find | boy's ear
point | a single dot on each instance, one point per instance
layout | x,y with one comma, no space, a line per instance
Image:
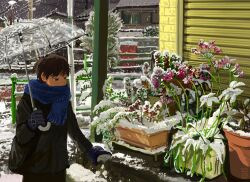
43,77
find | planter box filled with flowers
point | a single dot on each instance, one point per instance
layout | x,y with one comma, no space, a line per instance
186,110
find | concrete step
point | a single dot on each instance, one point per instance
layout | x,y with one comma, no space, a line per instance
134,61
142,41
141,49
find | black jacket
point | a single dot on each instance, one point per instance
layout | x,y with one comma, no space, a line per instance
50,153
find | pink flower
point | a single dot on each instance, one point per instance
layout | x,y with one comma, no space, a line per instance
211,44
217,50
181,74
241,74
168,75
187,79
155,82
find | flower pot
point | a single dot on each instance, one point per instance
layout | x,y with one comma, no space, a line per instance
195,156
239,154
141,139
210,164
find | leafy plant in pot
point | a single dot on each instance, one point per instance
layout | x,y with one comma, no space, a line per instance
237,132
199,148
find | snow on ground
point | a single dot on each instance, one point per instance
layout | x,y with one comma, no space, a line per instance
78,173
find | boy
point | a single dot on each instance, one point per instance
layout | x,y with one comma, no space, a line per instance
49,157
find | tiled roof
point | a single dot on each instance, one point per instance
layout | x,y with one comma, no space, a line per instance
43,7
137,3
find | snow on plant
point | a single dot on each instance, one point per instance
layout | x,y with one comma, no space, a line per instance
114,25
232,92
151,31
101,126
109,93
208,99
103,105
238,114
146,69
188,153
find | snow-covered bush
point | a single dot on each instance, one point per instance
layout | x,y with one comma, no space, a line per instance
114,25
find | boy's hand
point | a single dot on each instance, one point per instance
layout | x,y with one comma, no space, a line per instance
98,154
36,118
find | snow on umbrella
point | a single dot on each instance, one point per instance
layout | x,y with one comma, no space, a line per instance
28,40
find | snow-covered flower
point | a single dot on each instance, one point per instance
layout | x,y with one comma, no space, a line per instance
157,54
232,92
208,99
165,53
235,84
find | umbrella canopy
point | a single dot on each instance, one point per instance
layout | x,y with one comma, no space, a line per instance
30,39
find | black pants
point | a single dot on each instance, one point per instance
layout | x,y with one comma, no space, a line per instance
58,177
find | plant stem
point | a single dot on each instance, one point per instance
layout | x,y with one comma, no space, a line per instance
184,90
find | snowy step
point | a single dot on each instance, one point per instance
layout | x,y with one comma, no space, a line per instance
121,76
141,41
127,69
138,61
136,54
147,48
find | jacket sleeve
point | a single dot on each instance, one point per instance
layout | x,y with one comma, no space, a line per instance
24,109
75,133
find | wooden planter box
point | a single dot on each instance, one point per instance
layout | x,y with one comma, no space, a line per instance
141,139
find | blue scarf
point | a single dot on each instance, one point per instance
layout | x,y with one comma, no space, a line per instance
57,96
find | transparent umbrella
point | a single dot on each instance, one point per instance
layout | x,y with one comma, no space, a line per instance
27,40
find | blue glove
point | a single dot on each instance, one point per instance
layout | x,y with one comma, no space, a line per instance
36,118
98,154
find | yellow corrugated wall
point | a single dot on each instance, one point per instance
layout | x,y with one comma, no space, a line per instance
225,21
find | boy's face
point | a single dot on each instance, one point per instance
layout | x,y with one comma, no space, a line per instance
59,80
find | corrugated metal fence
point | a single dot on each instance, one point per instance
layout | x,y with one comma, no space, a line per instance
225,21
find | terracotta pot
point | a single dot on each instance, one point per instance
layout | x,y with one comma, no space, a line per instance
239,154
140,138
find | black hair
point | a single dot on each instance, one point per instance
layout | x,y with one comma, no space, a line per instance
52,65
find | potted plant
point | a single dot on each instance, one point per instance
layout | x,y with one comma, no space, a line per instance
144,126
129,116
237,132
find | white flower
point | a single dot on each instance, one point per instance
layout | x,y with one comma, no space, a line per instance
157,54
165,53
208,99
230,94
235,84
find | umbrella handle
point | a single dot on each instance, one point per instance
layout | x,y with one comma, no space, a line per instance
45,128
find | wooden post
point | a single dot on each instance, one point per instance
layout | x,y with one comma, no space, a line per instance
70,5
30,4
99,72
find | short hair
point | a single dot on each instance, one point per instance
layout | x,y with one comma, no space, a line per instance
52,65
